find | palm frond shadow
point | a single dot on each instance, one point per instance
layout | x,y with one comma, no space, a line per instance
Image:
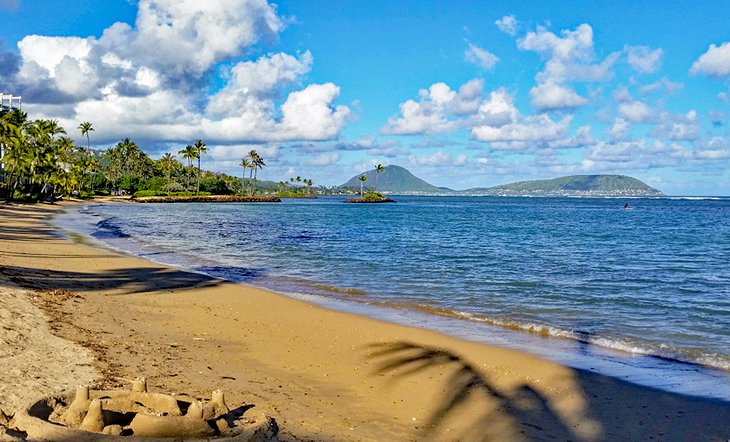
524,406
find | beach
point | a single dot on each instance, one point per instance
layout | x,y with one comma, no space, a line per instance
105,318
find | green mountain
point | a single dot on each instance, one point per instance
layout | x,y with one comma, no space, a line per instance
396,179
575,185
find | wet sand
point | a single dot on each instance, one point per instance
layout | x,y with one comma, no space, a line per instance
323,375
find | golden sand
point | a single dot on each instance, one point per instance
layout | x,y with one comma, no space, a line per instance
323,375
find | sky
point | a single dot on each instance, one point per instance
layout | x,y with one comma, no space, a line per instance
464,94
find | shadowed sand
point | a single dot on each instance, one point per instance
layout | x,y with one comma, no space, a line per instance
324,375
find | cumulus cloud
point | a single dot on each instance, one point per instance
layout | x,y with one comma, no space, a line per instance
480,57
635,111
678,127
568,57
643,59
507,24
619,130
152,79
431,113
325,159
534,128
547,96
715,62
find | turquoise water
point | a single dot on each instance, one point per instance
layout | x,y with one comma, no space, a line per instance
654,280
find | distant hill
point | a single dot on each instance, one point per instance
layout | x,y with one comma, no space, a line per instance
399,180
396,179
575,185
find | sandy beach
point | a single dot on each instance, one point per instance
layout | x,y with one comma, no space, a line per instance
73,314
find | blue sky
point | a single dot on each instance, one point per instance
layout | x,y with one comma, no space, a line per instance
464,94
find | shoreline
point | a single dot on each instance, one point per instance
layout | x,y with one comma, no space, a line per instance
665,371
315,369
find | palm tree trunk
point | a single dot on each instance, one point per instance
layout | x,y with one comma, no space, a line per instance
197,191
253,186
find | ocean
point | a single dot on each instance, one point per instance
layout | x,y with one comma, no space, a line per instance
640,294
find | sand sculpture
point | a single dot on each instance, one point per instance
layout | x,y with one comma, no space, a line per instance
87,415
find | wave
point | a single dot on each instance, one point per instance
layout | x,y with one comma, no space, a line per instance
107,228
661,351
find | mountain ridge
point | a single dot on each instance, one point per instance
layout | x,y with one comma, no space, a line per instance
398,180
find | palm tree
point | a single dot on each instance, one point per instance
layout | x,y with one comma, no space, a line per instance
378,170
256,163
245,164
362,179
86,127
189,153
201,149
309,186
168,164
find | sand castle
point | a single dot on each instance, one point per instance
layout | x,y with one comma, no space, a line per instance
88,415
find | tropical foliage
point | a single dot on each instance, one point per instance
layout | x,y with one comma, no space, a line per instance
39,162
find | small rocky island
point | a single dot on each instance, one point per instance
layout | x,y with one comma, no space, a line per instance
370,198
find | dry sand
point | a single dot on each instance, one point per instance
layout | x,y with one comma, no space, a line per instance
323,375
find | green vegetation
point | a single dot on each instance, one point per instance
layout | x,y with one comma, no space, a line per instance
297,188
39,162
586,185
370,197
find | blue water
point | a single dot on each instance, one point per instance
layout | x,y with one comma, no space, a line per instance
654,280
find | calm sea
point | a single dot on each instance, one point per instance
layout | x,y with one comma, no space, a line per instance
577,279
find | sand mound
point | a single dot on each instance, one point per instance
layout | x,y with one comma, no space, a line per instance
87,415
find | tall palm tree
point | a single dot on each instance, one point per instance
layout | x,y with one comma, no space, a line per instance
189,153
378,170
245,164
201,149
86,127
168,164
362,179
257,163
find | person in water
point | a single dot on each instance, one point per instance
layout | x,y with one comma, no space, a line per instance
626,206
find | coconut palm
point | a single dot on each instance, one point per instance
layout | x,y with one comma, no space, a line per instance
257,163
362,180
189,153
201,149
378,170
86,127
167,162
245,164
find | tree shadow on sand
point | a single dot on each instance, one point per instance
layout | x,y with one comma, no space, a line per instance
123,280
522,408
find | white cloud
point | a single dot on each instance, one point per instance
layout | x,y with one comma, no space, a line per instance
622,95
663,84
507,24
325,159
429,115
548,96
469,97
678,127
480,57
643,59
569,57
535,128
714,148
635,111
150,80
619,130
715,62
253,81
